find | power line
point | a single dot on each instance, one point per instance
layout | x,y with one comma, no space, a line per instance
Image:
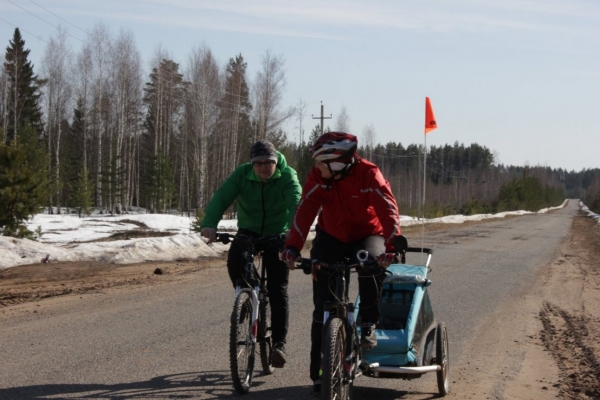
59,17
38,17
214,93
171,74
32,34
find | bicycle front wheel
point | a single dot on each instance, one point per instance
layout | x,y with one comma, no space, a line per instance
337,384
241,345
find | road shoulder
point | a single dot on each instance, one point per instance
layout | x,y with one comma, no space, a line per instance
540,344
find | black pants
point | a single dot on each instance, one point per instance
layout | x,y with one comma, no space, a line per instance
328,249
277,282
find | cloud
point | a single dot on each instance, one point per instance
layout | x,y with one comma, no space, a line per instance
333,19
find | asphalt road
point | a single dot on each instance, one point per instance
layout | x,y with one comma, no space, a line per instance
171,341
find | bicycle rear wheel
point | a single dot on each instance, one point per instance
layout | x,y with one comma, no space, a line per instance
241,345
336,383
264,335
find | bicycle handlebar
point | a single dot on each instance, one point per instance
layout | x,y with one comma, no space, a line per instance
226,238
307,265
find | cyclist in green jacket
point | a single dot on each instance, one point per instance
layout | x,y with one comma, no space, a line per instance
267,193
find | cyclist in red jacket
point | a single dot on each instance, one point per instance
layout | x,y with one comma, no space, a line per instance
357,211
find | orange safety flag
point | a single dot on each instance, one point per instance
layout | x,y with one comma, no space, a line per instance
430,123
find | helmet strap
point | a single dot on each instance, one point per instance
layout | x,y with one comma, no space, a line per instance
343,172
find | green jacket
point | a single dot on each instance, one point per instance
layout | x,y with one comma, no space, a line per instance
266,208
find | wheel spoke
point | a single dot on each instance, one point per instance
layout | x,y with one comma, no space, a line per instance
241,345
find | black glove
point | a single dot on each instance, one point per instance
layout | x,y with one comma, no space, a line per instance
290,254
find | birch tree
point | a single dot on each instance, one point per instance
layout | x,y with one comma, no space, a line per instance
100,44
234,127
83,81
268,92
3,101
126,107
56,71
369,139
201,114
342,122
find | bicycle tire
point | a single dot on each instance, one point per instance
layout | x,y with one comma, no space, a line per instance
241,346
335,384
441,351
265,345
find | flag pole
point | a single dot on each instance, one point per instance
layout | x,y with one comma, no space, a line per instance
424,184
430,124
424,170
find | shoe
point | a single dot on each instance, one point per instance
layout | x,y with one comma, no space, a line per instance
315,393
368,340
278,356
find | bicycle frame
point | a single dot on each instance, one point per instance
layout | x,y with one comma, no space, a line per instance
257,291
343,309
249,320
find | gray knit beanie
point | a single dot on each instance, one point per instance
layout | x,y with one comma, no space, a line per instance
263,150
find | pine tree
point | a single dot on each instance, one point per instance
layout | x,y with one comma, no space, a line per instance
23,183
163,97
160,185
305,161
82,193
23,90
72,154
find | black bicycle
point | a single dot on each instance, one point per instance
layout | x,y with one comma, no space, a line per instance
251,315
341,350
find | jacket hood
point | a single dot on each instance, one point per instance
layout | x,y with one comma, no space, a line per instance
281,161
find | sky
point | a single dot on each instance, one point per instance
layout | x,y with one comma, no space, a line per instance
70,238
520,77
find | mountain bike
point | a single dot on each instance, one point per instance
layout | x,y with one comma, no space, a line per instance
251,317
341,352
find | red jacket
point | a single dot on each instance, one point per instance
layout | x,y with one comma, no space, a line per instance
359,205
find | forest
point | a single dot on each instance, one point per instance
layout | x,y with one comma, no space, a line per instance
92,130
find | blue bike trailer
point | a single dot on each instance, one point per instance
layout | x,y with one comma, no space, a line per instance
407,327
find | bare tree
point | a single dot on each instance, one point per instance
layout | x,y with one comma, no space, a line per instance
83,77
201,114
369,137
100,44
234,123
300,114
3,101
56,70
268,92
127,102
342,122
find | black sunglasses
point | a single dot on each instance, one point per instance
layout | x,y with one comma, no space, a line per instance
259,164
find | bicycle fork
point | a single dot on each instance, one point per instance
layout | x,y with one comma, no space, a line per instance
352,354
255,307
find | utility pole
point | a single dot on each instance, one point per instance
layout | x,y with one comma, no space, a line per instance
322,117
458,178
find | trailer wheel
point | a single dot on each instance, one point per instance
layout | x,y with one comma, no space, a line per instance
441,356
